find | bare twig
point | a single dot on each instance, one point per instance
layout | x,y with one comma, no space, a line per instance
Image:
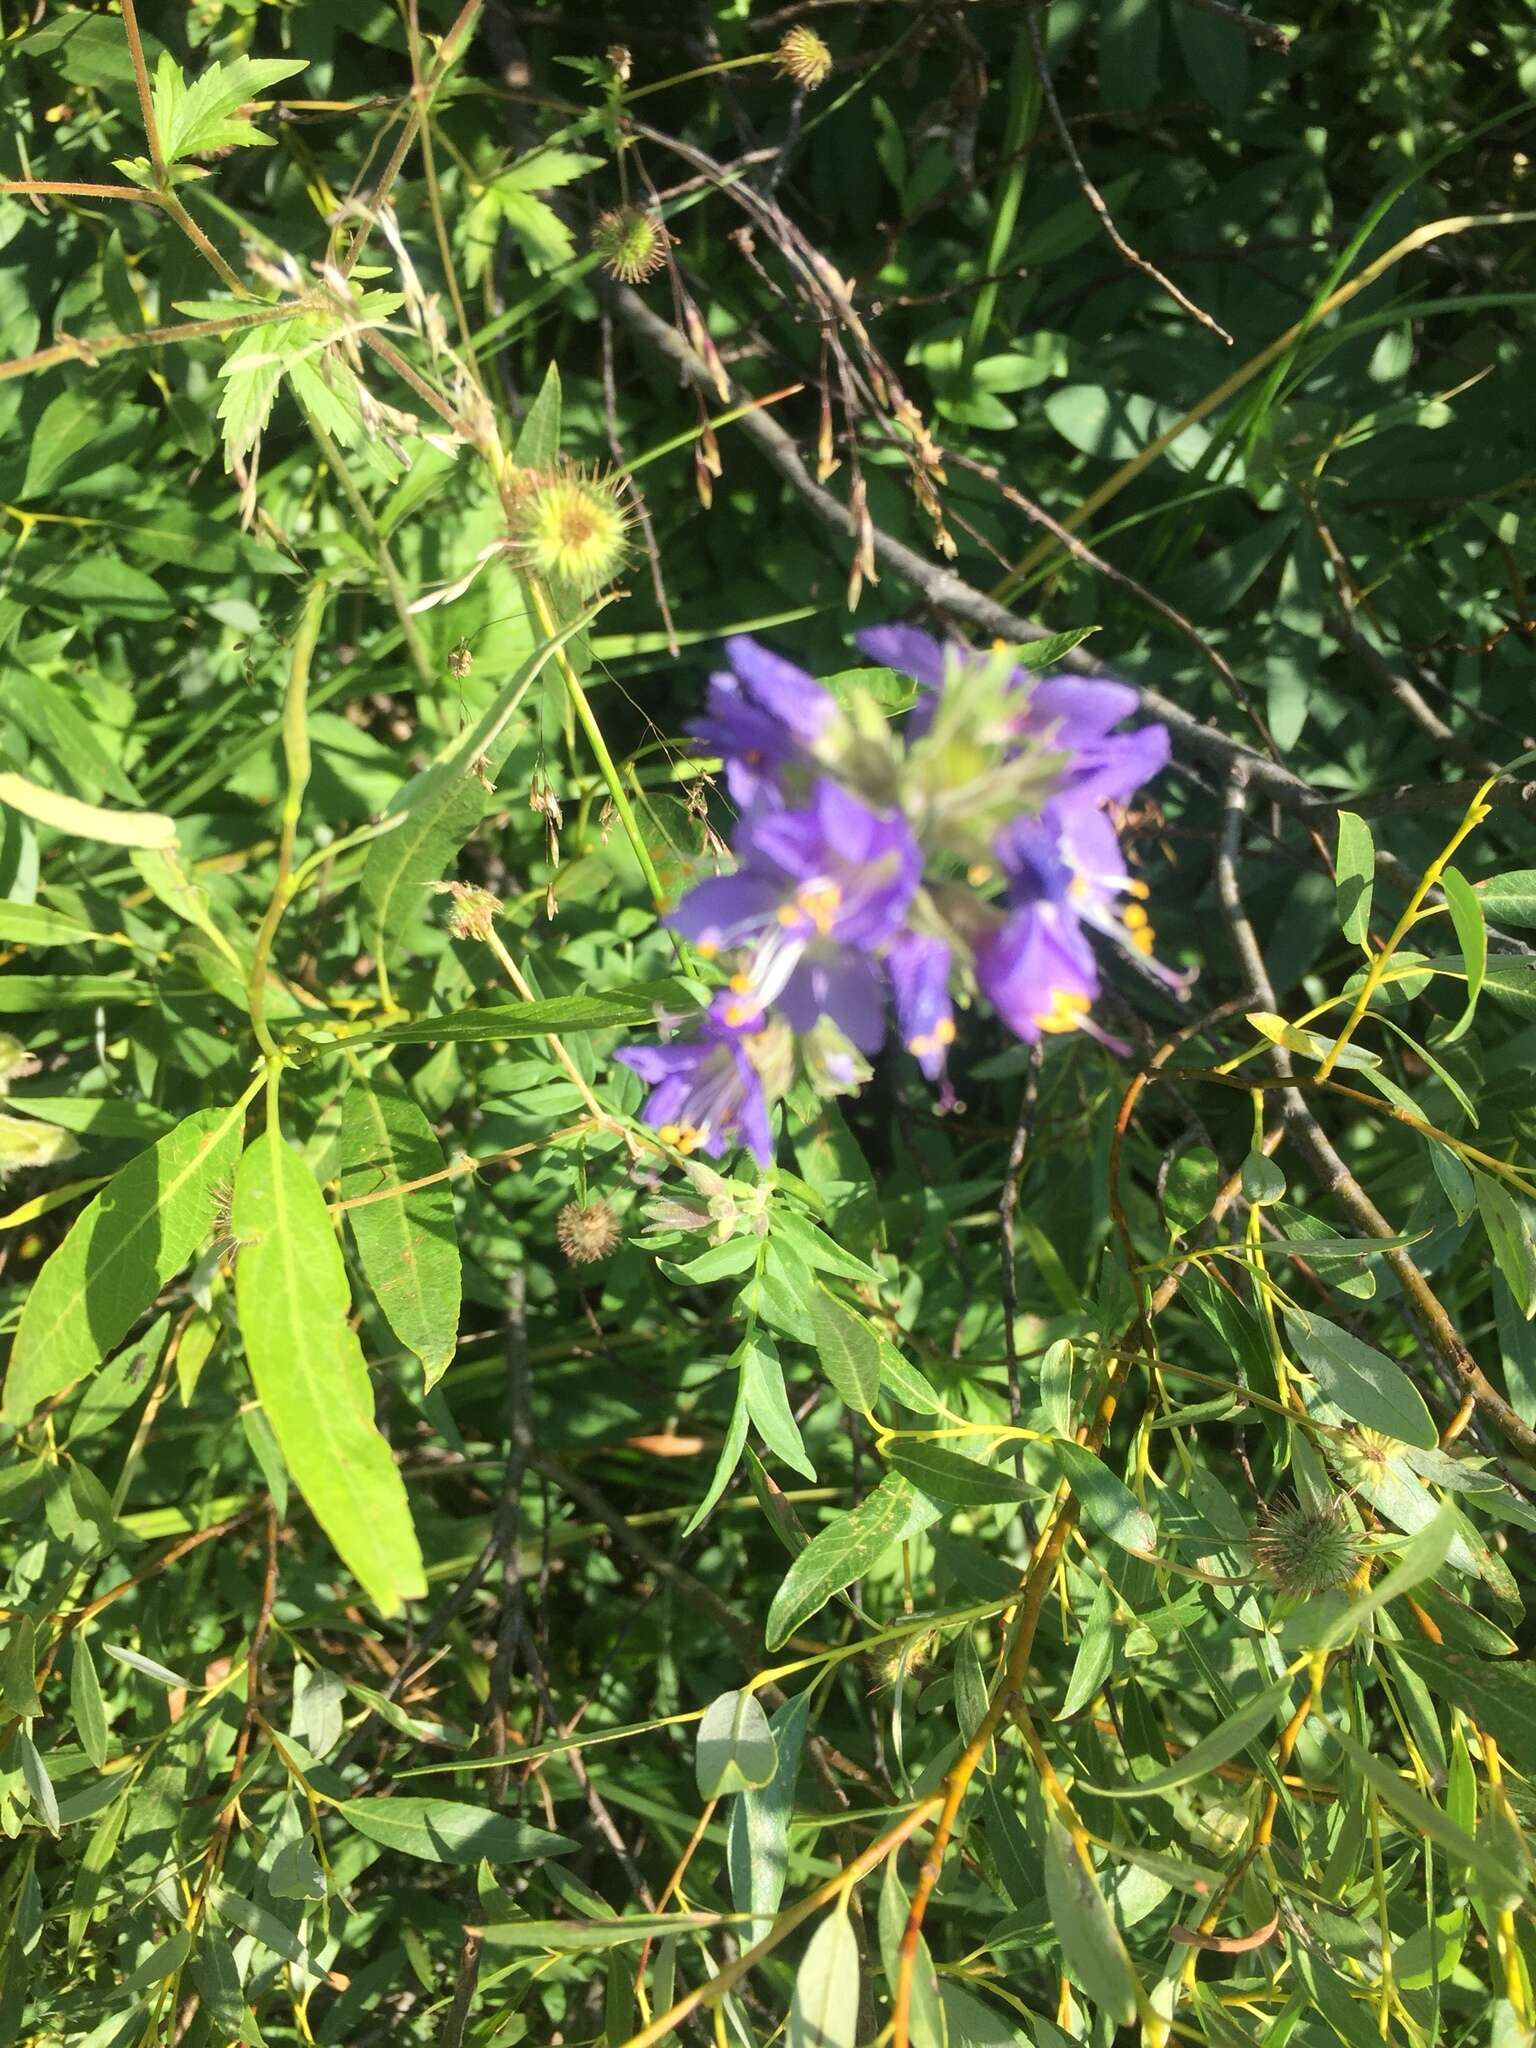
1094,196
1263,32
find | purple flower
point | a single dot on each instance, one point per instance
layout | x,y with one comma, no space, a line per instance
1075,715
1101,892
818,891
919,971
1072,715
761,715
1037,969
705,1091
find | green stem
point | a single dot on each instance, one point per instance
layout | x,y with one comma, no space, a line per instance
296,760
1023,112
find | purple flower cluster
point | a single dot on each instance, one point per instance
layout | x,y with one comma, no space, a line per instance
974,851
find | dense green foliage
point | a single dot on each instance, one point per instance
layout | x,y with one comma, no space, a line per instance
1041,1566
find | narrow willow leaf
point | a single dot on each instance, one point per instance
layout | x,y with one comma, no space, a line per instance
35,924
1426,1819
1106,1501
1499,1697
726,1463
1364,1382
616,1008
162,1961
849,1351
1219,1747
1509,1236
122,1248
757,1837
824,2012
90,1876
449,1831
86,1704
1090,1941
291,1292
407,1243
1466,910
1355,865
34,1774
1095,1651
1511,898
735,1748
76,820
18,1668
838,1554
926,2014
955,1481
217,1977
148,1667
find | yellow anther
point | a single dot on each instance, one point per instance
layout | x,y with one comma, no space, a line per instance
820,902
1066,1012
741,984
1134,917
706,949
978,872
788,914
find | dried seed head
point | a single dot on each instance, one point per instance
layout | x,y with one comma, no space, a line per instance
631,243
568,526
804,57
1306,1550
619,61
460,661
586,1231
472,911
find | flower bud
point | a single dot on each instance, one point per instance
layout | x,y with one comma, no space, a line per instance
804,57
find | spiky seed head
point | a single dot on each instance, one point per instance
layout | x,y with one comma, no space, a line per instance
471,911
804,57
1306,1550
587,1231
1360,1457
631,243
568,525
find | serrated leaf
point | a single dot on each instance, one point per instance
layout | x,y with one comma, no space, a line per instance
307,1365
197,119
408,1243
138,1233
735,1747
449,1831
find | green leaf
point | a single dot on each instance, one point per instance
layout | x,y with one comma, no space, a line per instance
824,2012
1509,1236
86,1706
1106,1502
449,1831
137,1234
955,1481
162,1961
849,1351
1425,1818
18,1668
1355,876
217,1977
735,1746
148,1667
926,2014
838,1554
34,1774
617,1008
407,1243
307,1365
538,438
1219,1747
1466,911
757,1838
441,806
197,119
768,1404
542,170
1420,1558
1263,1182
1499,1697
34,924
1510,899
1365,1383
1090,1941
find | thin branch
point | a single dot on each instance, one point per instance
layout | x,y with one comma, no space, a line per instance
1094,196
1262,32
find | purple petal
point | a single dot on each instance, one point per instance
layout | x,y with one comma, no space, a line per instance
842,983
791,696
907,649
919,971
1037,972
727,910
1079,708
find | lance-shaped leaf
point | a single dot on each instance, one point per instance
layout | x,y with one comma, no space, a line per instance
407,1242
291,1292
138,1233
843,1552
